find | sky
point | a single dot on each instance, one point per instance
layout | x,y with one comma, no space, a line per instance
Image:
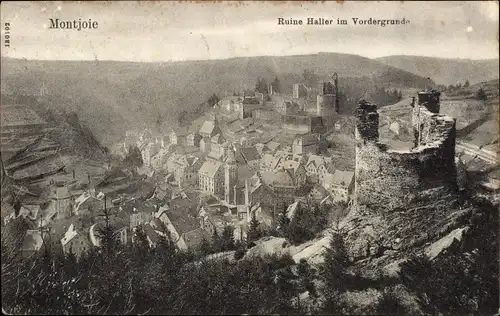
172,31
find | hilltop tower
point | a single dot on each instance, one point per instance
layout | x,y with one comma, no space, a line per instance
327,102
230,176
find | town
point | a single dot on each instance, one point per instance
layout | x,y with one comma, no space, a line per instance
257,156
257,159
258,173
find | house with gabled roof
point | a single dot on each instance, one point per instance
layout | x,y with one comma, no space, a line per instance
306,144
248,156
316,167
178,137
209,128
282,184
318,193
181,223
75,242
193,139
33,242
340,184
294,210
211,177
297,172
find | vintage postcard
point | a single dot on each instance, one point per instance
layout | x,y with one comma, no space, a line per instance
250,157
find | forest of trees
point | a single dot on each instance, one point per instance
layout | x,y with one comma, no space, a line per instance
139,279
464,90
382,96
186,116
262,86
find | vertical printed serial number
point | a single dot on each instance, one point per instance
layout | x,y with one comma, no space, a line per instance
6,36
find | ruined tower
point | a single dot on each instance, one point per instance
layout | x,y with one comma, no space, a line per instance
230,176
367,120
430,99
387,178
327,102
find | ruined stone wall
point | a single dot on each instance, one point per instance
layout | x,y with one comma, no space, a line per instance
387,179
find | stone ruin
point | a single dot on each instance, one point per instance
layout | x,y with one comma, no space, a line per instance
385,178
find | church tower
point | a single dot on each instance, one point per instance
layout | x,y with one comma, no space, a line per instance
230,176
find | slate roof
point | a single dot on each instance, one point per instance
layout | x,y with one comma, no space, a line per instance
249,153
182,220
342,178
207,127
33,240
318,160
218,139
278,178
321,189
272,145
210,168
182,131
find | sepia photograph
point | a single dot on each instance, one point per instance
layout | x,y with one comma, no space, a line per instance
250,157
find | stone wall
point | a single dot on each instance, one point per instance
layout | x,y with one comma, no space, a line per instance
387,179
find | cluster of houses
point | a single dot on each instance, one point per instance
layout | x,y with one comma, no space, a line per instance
261,180
208,175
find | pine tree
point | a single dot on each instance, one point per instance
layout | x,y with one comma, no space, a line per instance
227,238
216,242
254,231
205,247
481,95
276,85
261,85
141,242
213,100
335,263
134,157
306,275
389,304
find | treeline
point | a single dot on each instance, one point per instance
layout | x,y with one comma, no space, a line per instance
382,96
140,279
464,89
263,87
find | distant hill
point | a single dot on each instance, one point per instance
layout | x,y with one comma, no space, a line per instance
446,71
111,97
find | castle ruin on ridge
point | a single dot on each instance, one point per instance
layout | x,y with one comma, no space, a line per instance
386,178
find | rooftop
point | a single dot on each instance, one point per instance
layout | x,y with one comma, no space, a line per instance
207,127
342,178
210,168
